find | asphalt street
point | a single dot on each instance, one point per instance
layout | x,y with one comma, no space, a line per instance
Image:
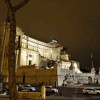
66,93
74,93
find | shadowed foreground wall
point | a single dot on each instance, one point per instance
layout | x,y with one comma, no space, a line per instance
29,74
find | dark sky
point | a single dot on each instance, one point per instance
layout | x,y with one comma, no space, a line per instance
74,23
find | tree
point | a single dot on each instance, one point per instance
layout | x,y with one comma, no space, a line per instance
12,57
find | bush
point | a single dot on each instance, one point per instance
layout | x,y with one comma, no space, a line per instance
93,84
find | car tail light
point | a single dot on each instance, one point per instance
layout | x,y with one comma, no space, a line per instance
83,90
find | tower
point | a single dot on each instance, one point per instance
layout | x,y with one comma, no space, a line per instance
92,68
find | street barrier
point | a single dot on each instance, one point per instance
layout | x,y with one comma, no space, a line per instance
29,95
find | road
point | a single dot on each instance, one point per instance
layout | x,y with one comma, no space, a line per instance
68,93
74,92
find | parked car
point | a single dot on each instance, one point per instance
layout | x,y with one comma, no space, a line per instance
4,92
91,91
50,90
26,88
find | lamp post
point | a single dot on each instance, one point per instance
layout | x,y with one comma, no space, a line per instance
2,56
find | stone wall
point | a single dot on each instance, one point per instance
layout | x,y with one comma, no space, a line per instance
30,74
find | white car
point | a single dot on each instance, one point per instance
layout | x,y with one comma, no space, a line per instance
51,89
26,88
91,91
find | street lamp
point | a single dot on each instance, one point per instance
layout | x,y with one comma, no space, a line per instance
2,56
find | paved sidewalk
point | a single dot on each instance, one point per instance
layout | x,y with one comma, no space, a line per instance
6,97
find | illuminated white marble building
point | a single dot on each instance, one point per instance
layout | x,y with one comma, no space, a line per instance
30,51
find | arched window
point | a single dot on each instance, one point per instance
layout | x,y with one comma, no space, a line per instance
89,79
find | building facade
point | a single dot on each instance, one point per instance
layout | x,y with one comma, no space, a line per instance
37,61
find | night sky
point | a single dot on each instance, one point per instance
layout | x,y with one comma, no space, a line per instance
74,23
